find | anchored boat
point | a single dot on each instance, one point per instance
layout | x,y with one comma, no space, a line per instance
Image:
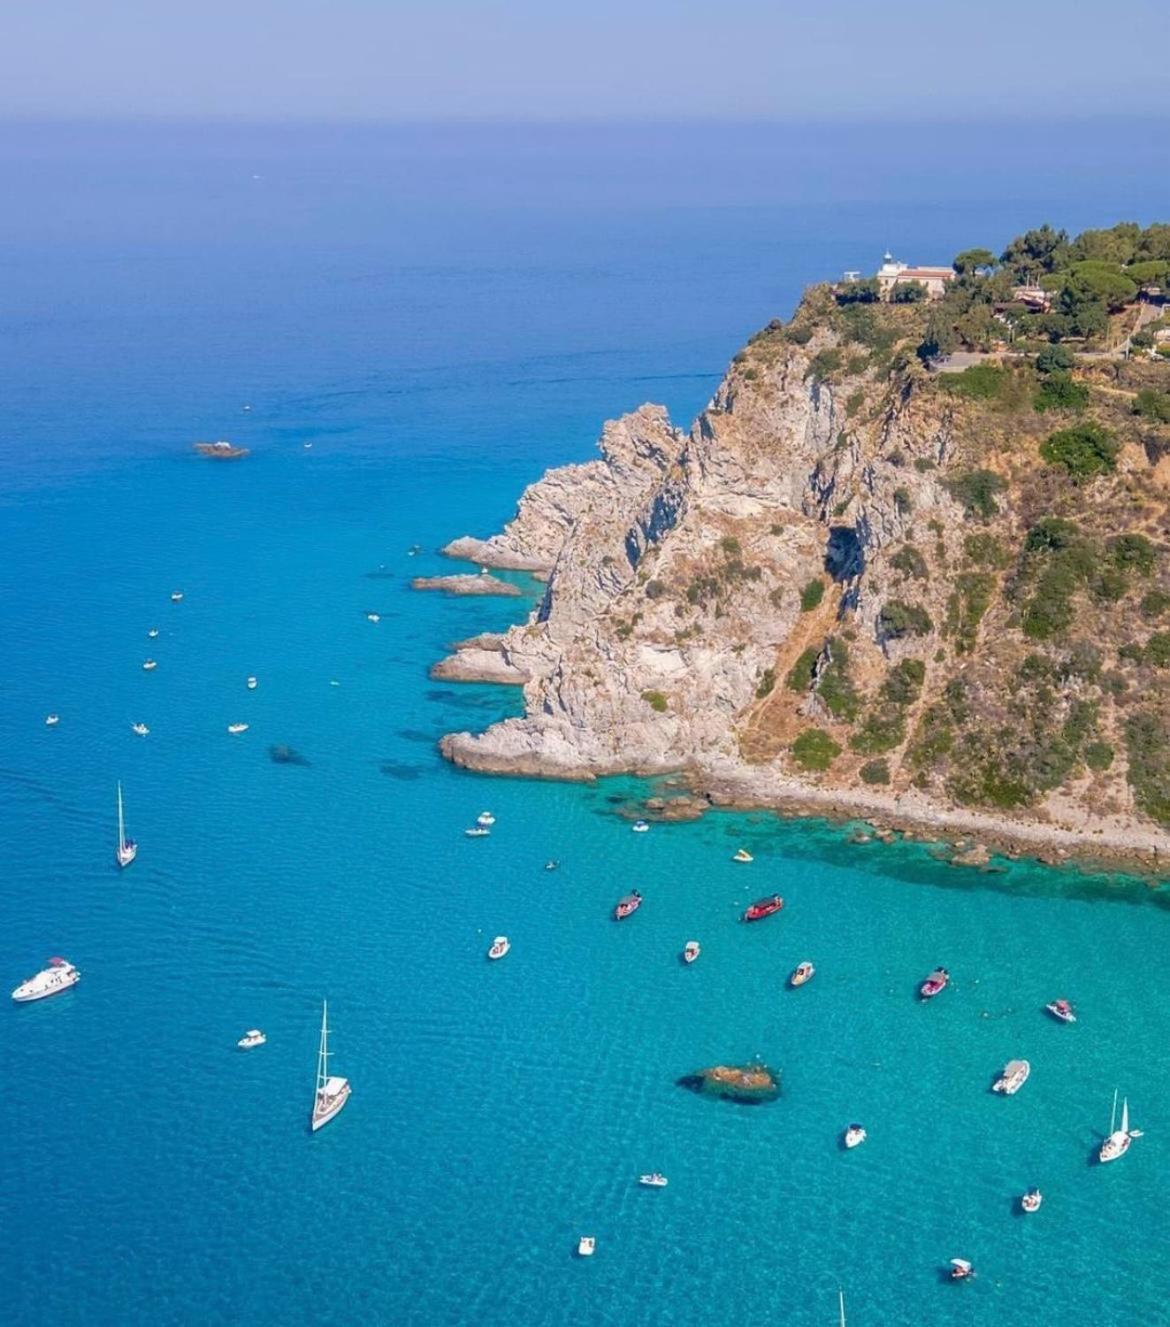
938,981
801,973
631,902
127,849
57,977
763,907
1014,1076
332,1093
1117,1144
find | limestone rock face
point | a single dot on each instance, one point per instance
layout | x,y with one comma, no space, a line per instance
840,542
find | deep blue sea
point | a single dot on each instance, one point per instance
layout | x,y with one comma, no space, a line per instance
442,313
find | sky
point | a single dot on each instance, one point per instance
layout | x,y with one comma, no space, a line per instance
406,60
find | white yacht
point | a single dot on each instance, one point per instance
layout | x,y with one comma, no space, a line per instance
52,720
332,1093
152,634
1014,1076
251,684
485,819
57,977
691,951
1030,1202
176,596
742,855
477,832
140,728
373,617
237,728
855,1135
500,946
127,848
253,1037
149,665
586,1246
655,1180
639,827
1117,1144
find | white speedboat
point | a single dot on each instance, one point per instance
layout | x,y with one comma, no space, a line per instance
149,665
176,596
691,951
961,1269
57,977
373,617
742,855
253,1037
855,1135
485,818
152,634
52,720
140,728
500,946
1030,1201
586,1246
639,827
551,864
332,1093
251,684
127,849
653,1181
477,832
801,973
1061,1010
1117,1144
234,728
1014,1076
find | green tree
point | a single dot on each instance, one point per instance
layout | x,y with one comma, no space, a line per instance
971,260
1059,391
908,292
1055,359
1035,252
814,749
1086,451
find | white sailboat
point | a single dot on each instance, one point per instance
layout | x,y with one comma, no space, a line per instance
332,1093
1117,1144
127,848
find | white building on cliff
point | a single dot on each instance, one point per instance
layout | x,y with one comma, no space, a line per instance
894,273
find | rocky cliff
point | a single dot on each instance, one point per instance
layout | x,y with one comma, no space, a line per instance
859,581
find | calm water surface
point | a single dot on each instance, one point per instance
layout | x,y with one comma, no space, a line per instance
441,314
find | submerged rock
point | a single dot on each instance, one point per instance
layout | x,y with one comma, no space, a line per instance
748,1084
285,755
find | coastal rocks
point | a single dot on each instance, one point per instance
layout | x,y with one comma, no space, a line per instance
221,451
280,754
749,1085
483,658
972,854
467,585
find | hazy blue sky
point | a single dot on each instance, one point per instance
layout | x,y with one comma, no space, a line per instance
384,59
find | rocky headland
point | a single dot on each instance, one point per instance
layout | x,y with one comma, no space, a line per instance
467,585
862,586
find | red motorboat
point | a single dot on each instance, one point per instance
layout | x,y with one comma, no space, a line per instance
937,981
631,903
763,907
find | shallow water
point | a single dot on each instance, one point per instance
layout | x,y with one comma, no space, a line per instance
499,1111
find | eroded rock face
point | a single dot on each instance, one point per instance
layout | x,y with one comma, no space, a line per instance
678,628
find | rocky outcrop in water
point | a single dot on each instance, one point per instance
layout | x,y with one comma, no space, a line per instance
749,1085
467,585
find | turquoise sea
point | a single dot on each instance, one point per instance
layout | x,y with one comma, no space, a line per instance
442,313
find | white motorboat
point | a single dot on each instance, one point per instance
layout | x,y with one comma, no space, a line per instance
855,1135
57,977
1030,1201
253,1037
477,832
586,1246
127,849
332,1093
961,1269
152,634
140,728
234,728
742,855
1014,1076
639,827
1117,1144
485,819
373,617
1062,1010
251,684
176,596
500,946
551,864
653,1181
52,720
691,951
149,665
802,973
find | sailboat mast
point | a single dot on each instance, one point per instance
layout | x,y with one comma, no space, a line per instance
121,824
841,1305
1125,1116
1113,1114
323,1053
